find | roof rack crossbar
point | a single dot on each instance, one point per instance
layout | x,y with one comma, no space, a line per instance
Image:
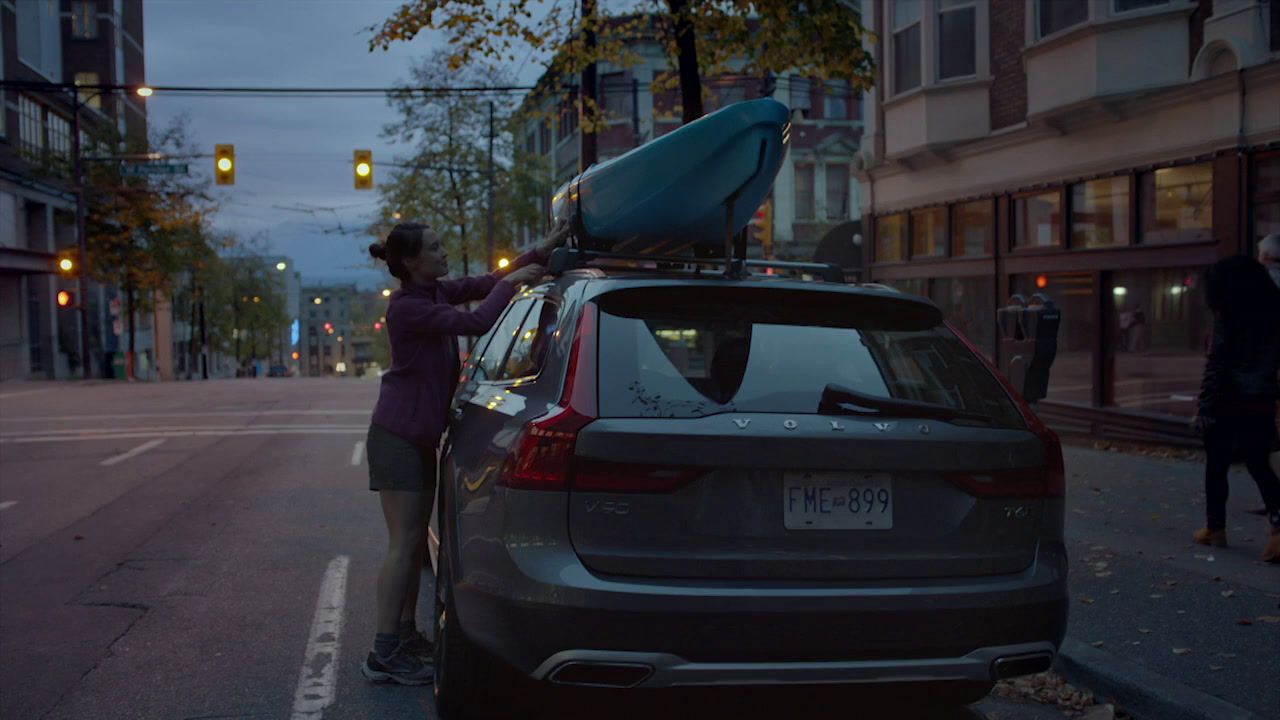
565,259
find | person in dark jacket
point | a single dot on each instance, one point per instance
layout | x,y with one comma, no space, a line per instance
423,326
1239,391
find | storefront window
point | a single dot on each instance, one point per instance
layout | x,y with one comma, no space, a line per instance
1100,213
890,236
912,286
1177,204
973,227
969,305
1037,220
1159,331
1266,199
929,232
1071,375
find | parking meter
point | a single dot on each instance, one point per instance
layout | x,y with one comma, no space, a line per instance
1013,340
1041,320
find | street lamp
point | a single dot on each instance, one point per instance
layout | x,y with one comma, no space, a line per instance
282,266
395,216
145,91
386,292
318,301
503,263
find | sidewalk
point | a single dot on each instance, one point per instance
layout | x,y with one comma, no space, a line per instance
1154,614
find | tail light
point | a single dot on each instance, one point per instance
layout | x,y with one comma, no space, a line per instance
541,456
1047,481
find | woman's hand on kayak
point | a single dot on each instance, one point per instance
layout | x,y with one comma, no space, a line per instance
527,275
556,238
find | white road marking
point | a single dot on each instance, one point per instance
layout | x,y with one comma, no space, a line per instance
318,681
132,453
6,396
357,453
144,416
7,504
179,434
174,428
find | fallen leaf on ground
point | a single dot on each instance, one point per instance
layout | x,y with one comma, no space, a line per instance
1215,668
1182,651
79,537
1156,596
1269,619
1244,621
1115,592
1228,593
1103,574
1097,643
1086,600
1228,655
1217,578
1144,631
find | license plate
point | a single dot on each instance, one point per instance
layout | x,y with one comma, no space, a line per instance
837,501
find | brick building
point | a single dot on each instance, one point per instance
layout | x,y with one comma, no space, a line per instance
1102,152
814,196
83,42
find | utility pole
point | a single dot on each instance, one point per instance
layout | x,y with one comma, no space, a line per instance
488,262
588,150
635,112
82,244
204,341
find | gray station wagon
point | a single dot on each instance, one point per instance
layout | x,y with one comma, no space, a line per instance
676,476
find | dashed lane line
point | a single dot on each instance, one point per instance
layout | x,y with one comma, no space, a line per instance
144,416
318,681
174,428
180,434
132,453
7,504
357,453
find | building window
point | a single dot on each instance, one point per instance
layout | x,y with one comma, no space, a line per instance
890,235
30,127
84,20
968,304
957,38
837,192
1100,213
973,228
59,137
906,45
800,97
1124,6
1177,204
615,95
727,92
1266,198
837,97
1159,327
1071,380
929,232
1058,15
1037,220
40,37
568,124
912,286
804,191
544,136
92,98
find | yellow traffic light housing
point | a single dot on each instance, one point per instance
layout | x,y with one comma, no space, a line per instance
363,166
763,223
224,165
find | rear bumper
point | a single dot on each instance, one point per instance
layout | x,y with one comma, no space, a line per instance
662,670
550,610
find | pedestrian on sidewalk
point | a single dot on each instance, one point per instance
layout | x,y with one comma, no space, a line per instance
413,404
1269,256
1239,391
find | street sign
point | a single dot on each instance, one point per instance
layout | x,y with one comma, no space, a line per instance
155,169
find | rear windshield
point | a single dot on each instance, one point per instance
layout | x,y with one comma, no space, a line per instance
689,352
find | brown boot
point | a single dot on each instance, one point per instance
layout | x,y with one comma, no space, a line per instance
1205,536
1271,553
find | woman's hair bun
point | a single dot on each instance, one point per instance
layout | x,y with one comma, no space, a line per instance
378,250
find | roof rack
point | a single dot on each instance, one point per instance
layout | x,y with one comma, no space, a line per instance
564,259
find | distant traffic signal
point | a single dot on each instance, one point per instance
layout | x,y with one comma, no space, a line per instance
66,299
68,263
763,223
224,164
363,166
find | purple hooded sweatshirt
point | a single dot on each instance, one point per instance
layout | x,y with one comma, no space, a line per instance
423,326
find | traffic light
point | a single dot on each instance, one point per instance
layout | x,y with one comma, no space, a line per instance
68,263
224,164
66,299
363,166
763,223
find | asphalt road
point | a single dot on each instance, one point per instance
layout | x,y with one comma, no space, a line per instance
165,552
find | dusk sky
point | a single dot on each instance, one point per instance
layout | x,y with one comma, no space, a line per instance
289,152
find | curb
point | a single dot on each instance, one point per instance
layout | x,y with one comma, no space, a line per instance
1139,692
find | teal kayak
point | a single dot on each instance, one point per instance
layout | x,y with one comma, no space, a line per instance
674,193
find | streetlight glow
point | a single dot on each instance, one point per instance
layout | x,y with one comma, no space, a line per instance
145,91
66,265
224,164
386,293
363,169
503,262
395,216
282,266
317,301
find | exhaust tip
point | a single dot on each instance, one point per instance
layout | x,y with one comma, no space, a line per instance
1016,665
600,674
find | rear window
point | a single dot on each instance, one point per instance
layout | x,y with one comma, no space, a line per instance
689,352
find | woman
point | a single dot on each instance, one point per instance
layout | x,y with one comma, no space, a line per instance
1239,391
423,326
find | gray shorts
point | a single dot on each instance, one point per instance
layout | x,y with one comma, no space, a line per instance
397,464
